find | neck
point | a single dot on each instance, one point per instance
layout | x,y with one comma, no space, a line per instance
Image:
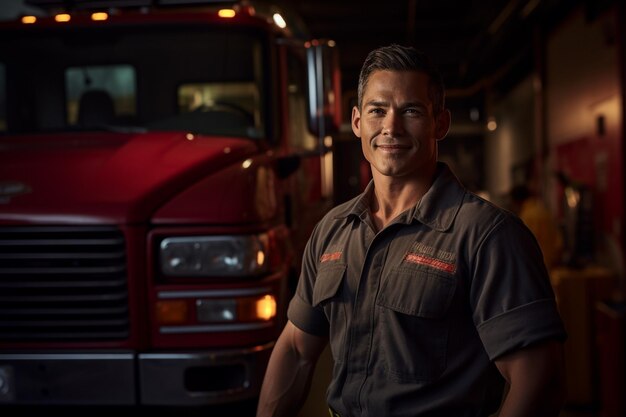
392,196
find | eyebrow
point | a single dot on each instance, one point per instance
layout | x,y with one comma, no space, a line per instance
374,103
381,103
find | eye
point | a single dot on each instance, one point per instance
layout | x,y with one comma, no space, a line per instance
376,111
413,111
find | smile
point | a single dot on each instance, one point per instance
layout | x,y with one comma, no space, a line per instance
392,147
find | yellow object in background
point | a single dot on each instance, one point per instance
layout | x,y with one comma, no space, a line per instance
540,221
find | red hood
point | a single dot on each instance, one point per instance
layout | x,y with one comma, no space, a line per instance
104,177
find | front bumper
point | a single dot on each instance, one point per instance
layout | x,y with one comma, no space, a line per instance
127,378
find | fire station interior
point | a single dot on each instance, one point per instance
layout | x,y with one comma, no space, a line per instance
536,89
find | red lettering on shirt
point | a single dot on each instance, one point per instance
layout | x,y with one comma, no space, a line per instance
334,256
428,261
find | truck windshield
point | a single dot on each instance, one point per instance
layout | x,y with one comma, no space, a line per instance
181,78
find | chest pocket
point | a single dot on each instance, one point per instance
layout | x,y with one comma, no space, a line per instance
327,282
413,304
327,294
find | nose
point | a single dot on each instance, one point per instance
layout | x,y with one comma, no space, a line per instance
392,124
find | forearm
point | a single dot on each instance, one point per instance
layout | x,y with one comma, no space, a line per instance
285,385
289,373
535,376
524,401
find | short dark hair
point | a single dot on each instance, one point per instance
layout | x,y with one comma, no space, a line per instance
403,58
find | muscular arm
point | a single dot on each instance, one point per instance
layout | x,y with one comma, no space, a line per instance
288,376
535,375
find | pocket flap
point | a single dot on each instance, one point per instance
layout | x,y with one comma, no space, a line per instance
327,282
417,292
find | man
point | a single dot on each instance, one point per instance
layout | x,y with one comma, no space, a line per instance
432,298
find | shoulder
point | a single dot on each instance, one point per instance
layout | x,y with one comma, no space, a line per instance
342,213
480,213
333,225
484,227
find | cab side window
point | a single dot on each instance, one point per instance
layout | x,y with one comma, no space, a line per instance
299,135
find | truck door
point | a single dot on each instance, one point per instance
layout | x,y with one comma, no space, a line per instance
311,186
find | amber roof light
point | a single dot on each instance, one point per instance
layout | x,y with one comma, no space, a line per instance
226,13
29,20
62,18
99,16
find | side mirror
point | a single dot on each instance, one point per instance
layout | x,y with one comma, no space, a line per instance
324,82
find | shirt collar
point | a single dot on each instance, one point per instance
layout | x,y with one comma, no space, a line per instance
441,203
358,206
437,208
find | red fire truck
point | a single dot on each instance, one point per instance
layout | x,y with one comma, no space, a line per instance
161,165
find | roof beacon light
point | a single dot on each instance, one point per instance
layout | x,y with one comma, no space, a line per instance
280,22
62,17
226,13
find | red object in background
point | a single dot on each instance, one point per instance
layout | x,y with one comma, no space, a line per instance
596,163
148,234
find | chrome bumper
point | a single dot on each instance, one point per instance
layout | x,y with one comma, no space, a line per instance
127,378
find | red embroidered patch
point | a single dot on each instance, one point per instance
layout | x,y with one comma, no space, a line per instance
330,257
428,261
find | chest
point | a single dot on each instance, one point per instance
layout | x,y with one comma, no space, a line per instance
402,259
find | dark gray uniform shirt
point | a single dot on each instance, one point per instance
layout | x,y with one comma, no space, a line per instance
417,313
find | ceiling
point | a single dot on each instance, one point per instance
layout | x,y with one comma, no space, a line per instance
475,43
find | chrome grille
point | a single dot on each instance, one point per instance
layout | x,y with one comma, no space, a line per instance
60,283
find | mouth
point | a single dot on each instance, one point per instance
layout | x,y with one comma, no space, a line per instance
391,147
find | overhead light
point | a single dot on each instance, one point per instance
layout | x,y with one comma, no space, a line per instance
280,22
474,114
29,20
492,125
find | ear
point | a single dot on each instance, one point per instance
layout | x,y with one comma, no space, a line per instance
356,121
442,124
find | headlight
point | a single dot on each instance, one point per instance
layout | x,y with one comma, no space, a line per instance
212,256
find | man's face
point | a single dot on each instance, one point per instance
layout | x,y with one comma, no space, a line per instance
396,124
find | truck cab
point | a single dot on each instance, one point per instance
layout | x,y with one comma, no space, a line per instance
161,166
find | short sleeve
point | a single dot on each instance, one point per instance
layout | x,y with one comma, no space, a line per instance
301,311
307,318
512,300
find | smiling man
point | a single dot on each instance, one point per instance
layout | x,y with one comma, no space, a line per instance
432,298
